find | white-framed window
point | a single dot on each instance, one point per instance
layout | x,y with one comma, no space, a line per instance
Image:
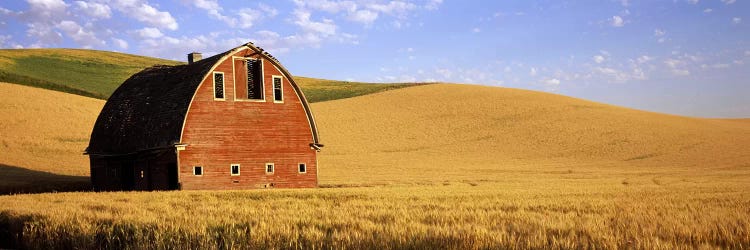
302,168
278,89
198,170
269,168
234,169
219,86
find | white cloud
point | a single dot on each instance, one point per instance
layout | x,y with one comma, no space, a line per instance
552,82
673,63
145,13
366,17
214,10
643,59
716,66
395,8
532,71
277,43
728,1
476,30
598,59
747,52
122,44
693,1
677,67
445,73
95,10
660,35
268,10
615,75
5,11
43,16
47,8
4,40
325,28
433,4
625,3
44,33
149,33
681,72
736,20
243,18
327,6
248,17
79,34
617,21
709,10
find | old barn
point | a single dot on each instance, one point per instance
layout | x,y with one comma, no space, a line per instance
236,120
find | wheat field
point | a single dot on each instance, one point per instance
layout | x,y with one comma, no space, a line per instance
449,132
434,166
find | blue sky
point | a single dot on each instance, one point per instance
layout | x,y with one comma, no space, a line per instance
687,57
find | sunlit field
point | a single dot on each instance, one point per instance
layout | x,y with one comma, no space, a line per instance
435,166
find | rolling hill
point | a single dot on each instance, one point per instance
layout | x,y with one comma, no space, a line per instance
97,74
429,134
448,132
441,165
42,137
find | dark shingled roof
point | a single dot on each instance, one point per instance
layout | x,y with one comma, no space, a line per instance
148,109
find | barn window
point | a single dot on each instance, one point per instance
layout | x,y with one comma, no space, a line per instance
254,79
218,85
248,79
235,169
269,168
198,170
302,168
277,89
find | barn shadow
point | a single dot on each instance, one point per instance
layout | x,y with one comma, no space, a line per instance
18,180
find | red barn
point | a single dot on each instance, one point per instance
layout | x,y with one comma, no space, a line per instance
236,120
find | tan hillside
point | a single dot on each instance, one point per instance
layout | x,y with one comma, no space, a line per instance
448,132
45,130
428,134
464,167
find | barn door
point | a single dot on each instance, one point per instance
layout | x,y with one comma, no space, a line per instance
128,175
240,78
172,176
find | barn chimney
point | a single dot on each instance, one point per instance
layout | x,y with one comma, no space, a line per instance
194,57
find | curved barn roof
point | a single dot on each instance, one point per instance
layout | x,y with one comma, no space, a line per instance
148,110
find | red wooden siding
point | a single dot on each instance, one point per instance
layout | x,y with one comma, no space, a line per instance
247,132
240,73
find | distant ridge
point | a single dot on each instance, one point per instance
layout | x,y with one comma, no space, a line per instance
97,74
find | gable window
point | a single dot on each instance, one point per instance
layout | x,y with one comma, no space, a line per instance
278,94
269,168
219,85
198,170
248,78
302,168
235,169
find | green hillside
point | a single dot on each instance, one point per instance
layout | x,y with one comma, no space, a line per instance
97,74
84,72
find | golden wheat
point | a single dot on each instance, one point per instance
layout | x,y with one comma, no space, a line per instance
436,166
45,130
